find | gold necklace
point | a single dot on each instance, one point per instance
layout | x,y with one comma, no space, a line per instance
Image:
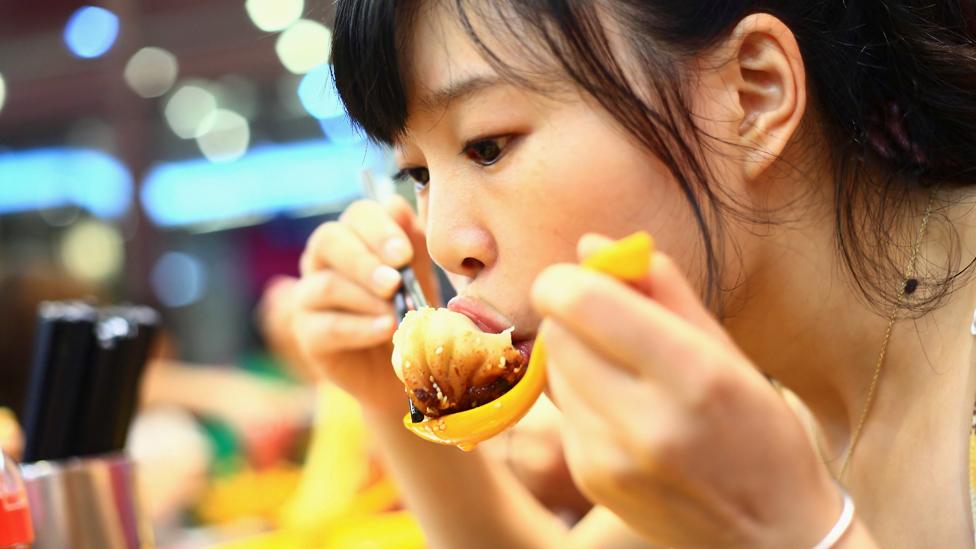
905,289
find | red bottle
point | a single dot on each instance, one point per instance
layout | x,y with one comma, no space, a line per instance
16,531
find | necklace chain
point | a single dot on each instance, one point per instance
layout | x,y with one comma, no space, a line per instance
879,366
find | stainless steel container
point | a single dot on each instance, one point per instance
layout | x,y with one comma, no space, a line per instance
86,503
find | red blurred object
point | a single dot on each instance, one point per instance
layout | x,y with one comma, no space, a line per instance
15,521
267,446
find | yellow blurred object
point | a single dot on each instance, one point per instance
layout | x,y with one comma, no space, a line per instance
336,504
394,530
627,259
249,493
337,465
11,438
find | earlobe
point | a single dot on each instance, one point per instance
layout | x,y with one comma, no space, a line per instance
771,86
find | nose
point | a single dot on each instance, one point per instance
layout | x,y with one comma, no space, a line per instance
457,238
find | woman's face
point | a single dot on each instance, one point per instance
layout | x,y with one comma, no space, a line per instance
515,177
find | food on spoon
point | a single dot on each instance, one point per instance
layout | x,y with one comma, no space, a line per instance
447,364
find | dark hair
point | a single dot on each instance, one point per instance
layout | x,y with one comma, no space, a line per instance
893,82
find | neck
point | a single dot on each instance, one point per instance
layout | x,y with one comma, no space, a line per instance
808,327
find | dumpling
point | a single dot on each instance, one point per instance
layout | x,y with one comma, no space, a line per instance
448,364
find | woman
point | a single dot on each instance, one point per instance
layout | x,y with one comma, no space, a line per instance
808,171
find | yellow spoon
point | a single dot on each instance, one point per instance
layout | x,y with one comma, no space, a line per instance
627,259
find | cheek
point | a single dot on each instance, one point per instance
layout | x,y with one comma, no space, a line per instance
591,178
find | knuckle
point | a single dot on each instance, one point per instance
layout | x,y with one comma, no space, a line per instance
594,480
326,283
715,389
577,296
583,298
305,262
320,237
303,336
326,232
605,474
357,210
648,447
655,452
313,332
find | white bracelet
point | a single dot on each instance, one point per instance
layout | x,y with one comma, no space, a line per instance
842,525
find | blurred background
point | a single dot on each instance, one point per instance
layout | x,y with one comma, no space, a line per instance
178,153
138,140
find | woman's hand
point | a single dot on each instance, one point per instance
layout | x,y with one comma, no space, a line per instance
667,423
344,323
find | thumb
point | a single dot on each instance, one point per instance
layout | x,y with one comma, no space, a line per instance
665,284
402,213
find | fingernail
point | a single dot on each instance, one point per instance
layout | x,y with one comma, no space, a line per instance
385,278
396,251
383,323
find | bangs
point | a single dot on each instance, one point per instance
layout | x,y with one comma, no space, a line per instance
366,64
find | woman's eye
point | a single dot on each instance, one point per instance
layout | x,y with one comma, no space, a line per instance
419,176
486,151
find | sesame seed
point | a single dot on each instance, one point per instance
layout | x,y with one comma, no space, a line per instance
501,362
440,349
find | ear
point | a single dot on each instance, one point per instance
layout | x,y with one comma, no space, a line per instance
769,82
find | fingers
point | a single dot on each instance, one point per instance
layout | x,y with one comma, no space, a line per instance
401,212
379,231
666,284
329,290
589,244
584,383
325,333
619,323
334,245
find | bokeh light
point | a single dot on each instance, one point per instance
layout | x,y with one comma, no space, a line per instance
92,251
318,94
237,93
342,129
91,31
151,72
187,108
178,279
35,179
304,176
304,46
274,15
223,136
3,92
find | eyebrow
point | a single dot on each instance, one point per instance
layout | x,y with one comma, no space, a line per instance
454,91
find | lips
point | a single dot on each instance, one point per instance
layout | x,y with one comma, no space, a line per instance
489,320
484,317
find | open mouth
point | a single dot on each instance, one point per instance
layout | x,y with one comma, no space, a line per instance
525,347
